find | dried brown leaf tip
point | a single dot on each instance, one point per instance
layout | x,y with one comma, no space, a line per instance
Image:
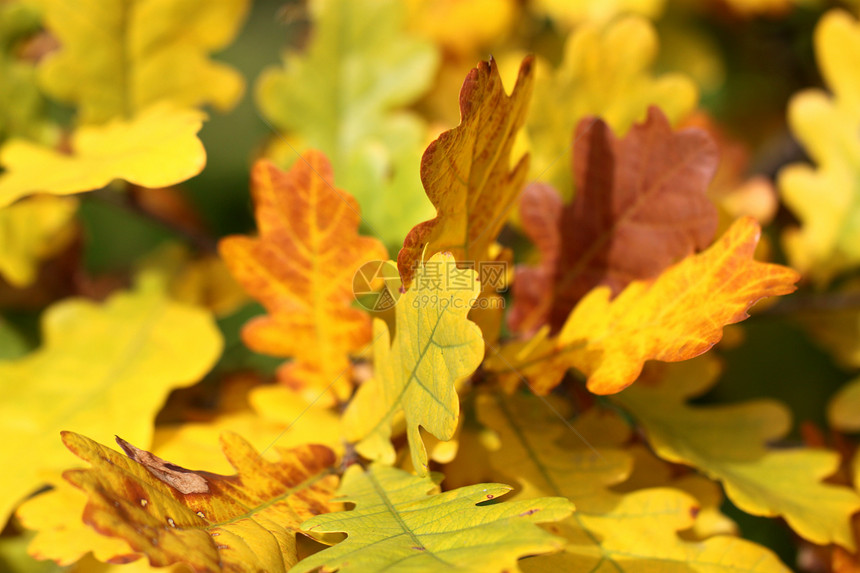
183,480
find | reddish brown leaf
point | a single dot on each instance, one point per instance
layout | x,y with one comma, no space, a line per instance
640,207
540,212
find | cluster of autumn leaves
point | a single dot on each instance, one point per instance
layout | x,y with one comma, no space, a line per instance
643,258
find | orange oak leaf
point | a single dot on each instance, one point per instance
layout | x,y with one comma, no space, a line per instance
466,171
301,269
242,523
677,316
640,206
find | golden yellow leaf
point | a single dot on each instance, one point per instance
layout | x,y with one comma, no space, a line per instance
301,269
466,172
33,230
434,346
244,522
729,443
147,51
61,535
156,148
674,317
606,72
677,316
824,198
608,531
102,368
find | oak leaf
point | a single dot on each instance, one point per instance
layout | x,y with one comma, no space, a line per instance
32,231
606,73
60,535
244,522
301,269
677,316
434,346
729,443
640,206
401,523
156,148
345,96
824,198
94,358
635,531
466,172
149,51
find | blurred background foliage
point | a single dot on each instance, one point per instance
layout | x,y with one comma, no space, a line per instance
745,57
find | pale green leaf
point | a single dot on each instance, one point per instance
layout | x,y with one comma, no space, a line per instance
343,96
434,346
398,526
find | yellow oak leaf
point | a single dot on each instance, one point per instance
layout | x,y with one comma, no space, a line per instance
102,368
401,523
301,269
434,346
148,51
824,197
729,443
346,95
466,172
606,72
156,148
33,230
61,535
243,522
677,316
609,530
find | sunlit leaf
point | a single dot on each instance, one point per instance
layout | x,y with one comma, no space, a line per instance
434,346
401,523
674,317
730,443
301,269
244,522
156,148
103,369
466,172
